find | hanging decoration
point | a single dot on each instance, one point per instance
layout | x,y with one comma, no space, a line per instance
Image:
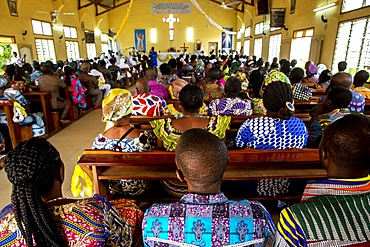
124,21
194,2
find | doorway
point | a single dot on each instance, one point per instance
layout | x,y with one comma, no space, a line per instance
301,45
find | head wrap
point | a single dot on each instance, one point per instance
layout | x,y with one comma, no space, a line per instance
274,76
117,105
242,76
177,85
3,81
311,70
320,68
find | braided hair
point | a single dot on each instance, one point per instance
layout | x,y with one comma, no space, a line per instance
31,168
275,99
191,98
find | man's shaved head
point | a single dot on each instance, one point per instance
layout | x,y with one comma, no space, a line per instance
142,86
341,79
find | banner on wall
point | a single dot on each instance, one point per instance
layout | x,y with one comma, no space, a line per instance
140,39
170,8
226,39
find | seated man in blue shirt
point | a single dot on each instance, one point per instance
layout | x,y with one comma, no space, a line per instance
204,216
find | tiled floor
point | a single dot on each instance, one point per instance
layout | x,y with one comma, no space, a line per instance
70,142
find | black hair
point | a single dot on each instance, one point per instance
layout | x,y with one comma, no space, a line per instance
68,71
191,98
275,98
340,96
360,78
297,74
31,168
285,68
179,65
233,86
348,142
10,70
202,157
27,67
165,69
342,65
102,63
113,60
324,76
50,64
172,63
214,74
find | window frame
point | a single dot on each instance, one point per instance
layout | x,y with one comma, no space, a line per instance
345,12
43,38
281,38
43,34
304,32
70,27
255,28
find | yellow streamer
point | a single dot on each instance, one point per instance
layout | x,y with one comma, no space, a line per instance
124,21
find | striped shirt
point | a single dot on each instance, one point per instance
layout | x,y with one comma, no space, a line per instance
334,212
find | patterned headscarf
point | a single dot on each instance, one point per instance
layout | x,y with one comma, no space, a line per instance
177,85
274,76
117,105
311,70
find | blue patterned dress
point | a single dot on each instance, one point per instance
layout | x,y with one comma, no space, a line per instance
208,220
266,133
231,106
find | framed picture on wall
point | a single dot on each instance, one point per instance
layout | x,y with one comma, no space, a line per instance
292,6
226,39
140,39
12,8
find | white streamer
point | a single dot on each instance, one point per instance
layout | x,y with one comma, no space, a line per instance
194,2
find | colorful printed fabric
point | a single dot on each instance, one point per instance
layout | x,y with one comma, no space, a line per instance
274,76
208,220
158,90
36,119
170,110
148,105
334,212
357,104
258,107
176,87
268,133
301,92
165,131
166,80
212,91
363,91
318,125
88,222
230,106
78,95
117,105
144,142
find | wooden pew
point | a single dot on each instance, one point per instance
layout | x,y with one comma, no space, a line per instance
245,164
17,133
42,100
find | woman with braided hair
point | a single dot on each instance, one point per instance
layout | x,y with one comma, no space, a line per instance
39,215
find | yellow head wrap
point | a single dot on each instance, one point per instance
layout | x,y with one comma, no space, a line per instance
117,105
274,76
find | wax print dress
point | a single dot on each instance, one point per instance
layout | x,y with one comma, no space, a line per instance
88,222
148,105
231,106
144,142
266,133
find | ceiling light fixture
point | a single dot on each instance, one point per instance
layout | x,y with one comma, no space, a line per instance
324,7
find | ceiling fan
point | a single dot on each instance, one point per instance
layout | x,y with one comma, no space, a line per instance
56,13
227,5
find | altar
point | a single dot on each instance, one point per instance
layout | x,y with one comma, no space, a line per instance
164,57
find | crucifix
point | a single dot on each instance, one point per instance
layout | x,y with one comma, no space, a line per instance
170,20
184,48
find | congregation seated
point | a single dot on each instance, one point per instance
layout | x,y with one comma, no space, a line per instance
232,104
345,80
204,216
106,72
51,83
121,137
146,104
91,84
40,215
300,92
359,81
168,131
156,88
116,72
166,78
324,79
334,211
333,108
22,115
